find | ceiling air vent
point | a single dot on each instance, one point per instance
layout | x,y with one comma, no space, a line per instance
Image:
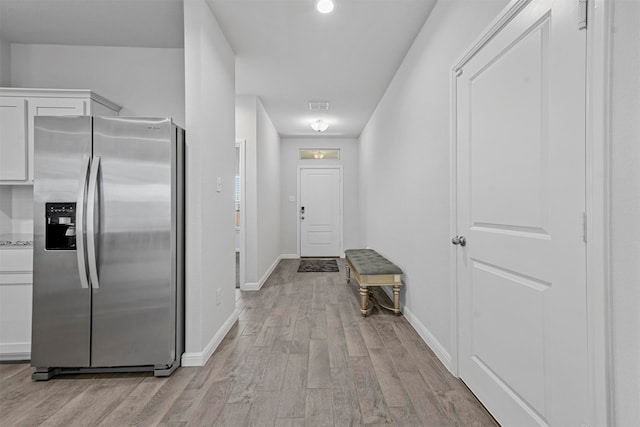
318,105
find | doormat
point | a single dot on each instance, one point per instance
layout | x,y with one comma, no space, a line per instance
318,266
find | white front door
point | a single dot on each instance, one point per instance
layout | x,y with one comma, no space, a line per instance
320,212
520,126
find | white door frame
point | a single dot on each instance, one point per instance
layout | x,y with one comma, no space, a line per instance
298,222
241,144
598,199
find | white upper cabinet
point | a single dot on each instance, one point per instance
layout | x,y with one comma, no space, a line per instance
13,127
19,106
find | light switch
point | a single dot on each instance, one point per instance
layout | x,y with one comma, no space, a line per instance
292,199
219,184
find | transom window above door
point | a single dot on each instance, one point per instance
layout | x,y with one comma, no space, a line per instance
319,154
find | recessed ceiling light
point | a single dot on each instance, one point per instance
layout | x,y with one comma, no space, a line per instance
324,6
319,125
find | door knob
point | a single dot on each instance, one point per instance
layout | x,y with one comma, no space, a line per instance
459,240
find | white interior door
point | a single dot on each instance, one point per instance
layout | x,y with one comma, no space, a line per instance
320,212
520,126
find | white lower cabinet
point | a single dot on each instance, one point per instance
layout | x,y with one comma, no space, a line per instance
18,107
16,283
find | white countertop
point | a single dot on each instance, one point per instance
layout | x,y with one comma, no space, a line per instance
16,240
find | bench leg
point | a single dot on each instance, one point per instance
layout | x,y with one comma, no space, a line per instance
348,272
396,300
364,297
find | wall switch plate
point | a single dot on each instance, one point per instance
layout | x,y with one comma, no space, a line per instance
292,199
218,184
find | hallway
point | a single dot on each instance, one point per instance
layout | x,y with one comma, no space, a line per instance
300,355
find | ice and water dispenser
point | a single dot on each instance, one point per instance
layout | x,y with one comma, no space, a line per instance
60,230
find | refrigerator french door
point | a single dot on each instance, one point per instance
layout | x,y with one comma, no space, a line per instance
108,277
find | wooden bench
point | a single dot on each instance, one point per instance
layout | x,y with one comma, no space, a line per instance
372,269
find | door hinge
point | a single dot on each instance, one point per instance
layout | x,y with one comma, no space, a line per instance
582,14
584,226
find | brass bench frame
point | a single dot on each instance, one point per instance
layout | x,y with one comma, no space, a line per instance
364,281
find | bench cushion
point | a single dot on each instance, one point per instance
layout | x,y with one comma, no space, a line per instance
370,262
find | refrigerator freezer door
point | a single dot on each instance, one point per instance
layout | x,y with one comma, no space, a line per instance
134,307
61,305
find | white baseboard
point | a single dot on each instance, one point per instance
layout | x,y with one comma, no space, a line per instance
257,286
289,256
249,286
428,338
200,358
15,351
424,333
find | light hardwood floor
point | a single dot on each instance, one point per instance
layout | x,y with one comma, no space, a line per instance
300,355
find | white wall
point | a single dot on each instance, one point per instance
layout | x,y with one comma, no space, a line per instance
404,166
625,213
16,210
268,176
261,216
6,208
5,63
246,129
145,81
290,160
210,117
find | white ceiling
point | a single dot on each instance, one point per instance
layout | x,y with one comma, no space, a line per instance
286,52
133,23
289,54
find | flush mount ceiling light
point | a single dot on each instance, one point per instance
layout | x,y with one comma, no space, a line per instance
319,125
324,6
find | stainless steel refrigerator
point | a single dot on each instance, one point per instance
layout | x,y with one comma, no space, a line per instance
108,268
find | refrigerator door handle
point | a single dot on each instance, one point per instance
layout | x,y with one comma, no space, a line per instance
91,217
80,220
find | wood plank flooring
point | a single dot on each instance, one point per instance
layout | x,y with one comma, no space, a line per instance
300,355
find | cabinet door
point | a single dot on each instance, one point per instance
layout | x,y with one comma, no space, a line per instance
13,139
52,107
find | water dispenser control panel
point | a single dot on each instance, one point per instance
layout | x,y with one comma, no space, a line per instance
60,227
